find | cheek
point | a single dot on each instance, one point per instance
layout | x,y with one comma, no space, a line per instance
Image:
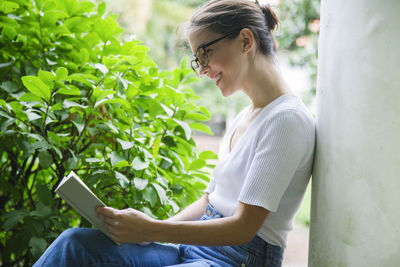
227,62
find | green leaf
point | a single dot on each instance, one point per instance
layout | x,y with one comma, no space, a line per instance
9,86
156,146
41,211
123,181
69,90
29,97
139,183
10,32
68,104
161,193
115,158
37,245
54,138
79,77
196,117
101,8
197,164
122,164
58,106
112,127
208,155
107,28
150,194
61,74
36,86
80,125
186,128
72,162
46,77
12,218
131,92
93,160
166,163
100,94
3,103
120,101
84,56
18,110
7,64
201,127
8,7
138,164
44,194
33,116
101,68
125,144
175,207
41,145
205,111
169,111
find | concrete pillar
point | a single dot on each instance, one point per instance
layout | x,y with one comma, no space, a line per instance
355,211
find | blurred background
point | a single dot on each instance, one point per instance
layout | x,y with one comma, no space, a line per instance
159,24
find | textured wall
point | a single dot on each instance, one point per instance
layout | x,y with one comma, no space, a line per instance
355,217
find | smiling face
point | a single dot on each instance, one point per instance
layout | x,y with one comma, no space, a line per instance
225,60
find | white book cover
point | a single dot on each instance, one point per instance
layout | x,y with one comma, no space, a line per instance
76,193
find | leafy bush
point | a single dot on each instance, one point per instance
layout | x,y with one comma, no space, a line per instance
76,97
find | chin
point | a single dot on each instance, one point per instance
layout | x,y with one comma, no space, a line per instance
226,92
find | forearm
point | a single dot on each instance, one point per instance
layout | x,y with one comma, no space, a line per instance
193,212
217,232
133,226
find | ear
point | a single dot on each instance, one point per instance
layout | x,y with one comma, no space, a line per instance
247,40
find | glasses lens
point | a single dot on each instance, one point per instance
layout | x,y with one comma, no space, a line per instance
195,65
202,57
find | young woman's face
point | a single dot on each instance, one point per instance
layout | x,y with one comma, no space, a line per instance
224,60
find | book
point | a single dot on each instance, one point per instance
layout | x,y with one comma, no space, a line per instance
76,193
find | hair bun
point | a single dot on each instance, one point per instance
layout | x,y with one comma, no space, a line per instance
271,18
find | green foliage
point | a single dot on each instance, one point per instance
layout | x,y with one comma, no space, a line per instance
298,35
74,97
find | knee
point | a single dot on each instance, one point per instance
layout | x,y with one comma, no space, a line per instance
73,235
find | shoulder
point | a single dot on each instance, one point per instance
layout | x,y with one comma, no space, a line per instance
288,120
290,112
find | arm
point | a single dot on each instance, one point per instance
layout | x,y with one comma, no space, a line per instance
133,226
192,212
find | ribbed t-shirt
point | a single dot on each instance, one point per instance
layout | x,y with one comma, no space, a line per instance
269,166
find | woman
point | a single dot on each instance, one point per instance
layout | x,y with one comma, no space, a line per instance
264,164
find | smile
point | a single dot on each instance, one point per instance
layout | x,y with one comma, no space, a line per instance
216,77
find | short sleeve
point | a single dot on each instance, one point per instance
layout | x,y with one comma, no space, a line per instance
278,154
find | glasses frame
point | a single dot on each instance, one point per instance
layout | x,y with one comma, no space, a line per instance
195,63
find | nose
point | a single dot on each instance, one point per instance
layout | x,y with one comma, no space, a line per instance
203,70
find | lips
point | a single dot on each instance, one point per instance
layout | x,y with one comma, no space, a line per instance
217,77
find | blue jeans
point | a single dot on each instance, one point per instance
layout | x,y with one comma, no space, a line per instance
90,247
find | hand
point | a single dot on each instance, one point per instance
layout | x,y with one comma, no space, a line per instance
126,226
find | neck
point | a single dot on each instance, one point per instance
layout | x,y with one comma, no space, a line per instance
263,82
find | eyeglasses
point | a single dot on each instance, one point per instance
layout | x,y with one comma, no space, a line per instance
201,56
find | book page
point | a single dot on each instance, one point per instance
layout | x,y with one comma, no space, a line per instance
76,193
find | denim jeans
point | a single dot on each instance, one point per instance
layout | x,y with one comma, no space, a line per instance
90,247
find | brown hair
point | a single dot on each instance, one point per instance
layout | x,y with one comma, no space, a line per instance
230,16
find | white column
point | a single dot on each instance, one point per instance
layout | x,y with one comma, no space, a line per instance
355,217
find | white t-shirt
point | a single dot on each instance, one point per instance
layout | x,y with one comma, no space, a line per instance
269,166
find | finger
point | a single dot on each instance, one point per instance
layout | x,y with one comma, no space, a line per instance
97,210
107,211
110,221
103,217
